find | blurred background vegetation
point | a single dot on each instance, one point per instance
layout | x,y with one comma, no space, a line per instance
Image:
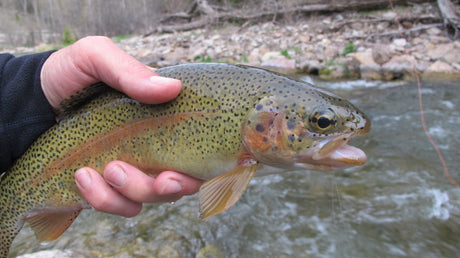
61,22
29,22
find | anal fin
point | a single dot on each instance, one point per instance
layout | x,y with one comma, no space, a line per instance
50,224
220,193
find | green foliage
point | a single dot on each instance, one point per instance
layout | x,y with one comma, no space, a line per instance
118,38
285,53
346,71
328,62
245,59
325,71
349,48
297,50
203,59
206,59
67,38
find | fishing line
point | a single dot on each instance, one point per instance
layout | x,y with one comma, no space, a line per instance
420,103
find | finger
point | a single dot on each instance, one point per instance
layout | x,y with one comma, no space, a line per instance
102,197
139,187
190,185
94,59
108,63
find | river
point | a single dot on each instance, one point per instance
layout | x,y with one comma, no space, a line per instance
397,205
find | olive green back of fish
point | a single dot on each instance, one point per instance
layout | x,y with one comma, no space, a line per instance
198,133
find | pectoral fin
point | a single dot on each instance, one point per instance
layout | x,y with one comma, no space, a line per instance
49,225
220,193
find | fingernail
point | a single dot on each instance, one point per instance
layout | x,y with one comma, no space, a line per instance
162,80
116,176
83,178
171,186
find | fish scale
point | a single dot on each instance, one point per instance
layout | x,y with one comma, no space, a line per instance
228,123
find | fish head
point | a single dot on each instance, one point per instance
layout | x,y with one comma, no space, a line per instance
307,129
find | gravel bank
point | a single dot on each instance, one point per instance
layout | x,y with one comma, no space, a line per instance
347,45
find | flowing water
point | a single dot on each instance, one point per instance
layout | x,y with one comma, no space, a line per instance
399,204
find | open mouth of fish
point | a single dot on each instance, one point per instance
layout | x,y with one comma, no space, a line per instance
332,153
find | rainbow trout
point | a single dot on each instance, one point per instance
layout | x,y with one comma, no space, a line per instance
228,124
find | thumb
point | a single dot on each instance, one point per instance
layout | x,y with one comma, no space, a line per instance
94,59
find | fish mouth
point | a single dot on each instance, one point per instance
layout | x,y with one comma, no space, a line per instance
332,153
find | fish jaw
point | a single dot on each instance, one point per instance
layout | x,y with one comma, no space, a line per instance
333,153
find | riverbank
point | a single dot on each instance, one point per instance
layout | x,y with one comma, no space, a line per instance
338,46
346,45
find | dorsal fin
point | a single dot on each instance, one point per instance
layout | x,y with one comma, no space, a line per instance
80,98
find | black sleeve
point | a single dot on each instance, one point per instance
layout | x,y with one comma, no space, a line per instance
24,111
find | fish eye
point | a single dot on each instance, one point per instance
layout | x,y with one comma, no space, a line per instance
322,120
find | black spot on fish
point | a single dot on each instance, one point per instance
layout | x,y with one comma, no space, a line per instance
260,128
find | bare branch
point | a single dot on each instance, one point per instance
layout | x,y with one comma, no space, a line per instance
211,15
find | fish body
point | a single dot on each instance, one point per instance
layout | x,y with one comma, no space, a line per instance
227,124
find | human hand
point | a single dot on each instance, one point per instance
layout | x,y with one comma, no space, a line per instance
123,188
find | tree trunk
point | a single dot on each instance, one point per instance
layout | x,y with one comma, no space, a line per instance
450,19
